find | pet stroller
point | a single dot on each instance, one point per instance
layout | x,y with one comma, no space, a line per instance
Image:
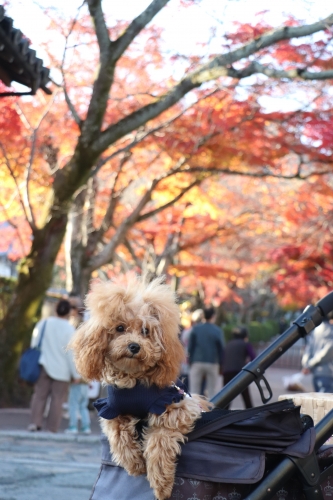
255,454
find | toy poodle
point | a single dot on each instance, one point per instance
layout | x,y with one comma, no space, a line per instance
131,343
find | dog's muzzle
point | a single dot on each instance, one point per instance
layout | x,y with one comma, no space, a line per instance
133,348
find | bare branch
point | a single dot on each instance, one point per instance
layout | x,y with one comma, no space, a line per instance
266,173
22,203
26,198
67,99
132,253
174,200
219,66
171,249
14,226
296,73
139,137
96,12
107,253
114,199
70,105
140,22
27,201
91,127
23,117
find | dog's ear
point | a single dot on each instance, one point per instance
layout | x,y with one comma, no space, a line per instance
163,306
168,368
90,344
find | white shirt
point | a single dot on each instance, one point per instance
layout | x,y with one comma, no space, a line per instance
57,362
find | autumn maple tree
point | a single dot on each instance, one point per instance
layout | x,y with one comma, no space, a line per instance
97,128
302,265
219,136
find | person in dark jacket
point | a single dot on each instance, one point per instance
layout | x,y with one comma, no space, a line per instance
205,350
238,352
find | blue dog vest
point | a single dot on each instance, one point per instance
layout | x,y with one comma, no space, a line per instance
139,401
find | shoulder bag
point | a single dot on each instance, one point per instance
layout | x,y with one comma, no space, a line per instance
29,367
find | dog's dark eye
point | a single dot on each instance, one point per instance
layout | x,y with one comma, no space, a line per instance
120,328
145,332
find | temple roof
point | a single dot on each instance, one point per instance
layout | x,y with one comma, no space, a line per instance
18,63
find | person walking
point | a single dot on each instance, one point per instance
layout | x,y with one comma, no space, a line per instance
57,368
318,356
78,402
78,398
238,351
196,318
205,350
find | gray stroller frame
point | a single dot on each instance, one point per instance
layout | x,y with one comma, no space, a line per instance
307,468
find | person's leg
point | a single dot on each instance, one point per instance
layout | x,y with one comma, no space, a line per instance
203,383
228,376
83,407
73,405
219,383
59,392
247,398
212,372
41,392
195,378
226,379
322,383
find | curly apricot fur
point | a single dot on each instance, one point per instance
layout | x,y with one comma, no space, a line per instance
145,314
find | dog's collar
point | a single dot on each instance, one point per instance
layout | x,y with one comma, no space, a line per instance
186,394
180,390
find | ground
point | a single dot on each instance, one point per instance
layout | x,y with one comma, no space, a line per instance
45,466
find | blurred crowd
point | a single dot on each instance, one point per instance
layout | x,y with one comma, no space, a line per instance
209,363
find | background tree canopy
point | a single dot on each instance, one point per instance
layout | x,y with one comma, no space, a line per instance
149,156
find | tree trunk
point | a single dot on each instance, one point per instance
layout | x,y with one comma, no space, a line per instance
75,244
35,270
79,239
35,275
80,273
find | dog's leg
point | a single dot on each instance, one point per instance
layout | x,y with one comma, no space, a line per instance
125,446
162,443
161,450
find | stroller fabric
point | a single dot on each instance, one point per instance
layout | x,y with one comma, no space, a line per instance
226,450
271,427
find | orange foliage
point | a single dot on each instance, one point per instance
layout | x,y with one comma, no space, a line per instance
227,228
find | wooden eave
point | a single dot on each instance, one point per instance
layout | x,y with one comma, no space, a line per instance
18,63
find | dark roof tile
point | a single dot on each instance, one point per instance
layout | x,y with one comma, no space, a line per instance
18,63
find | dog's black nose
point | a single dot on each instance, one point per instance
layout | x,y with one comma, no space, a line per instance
133,348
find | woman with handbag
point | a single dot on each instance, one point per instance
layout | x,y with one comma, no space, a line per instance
57,368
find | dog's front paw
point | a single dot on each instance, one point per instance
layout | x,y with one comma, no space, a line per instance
160,453
162,493
161,483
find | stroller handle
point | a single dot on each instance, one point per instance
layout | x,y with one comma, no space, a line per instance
326,304
254,371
